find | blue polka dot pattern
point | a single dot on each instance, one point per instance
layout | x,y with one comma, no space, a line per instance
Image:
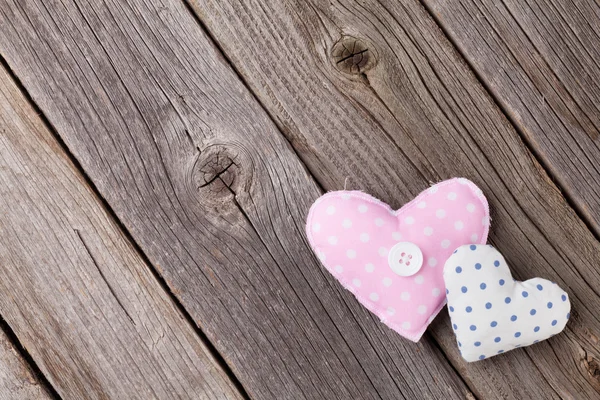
568,315
454,326
504,314
473,247
481,357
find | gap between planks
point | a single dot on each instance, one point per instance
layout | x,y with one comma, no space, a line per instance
27,359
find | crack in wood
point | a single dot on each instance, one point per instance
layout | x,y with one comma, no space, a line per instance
112,291
351,55
218,175
218,167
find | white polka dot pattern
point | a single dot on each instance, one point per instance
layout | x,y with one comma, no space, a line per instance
353,238
492,313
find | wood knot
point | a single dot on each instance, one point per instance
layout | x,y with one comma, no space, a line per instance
219,173
592,366
351,55
216,169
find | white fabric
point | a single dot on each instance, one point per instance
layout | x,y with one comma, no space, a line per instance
492,313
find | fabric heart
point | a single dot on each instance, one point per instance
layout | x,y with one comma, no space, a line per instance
392,260
492,313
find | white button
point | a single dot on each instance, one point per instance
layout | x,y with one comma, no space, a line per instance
405,258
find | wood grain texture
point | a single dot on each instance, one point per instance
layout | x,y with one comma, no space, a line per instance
213,194
17,380
76,293
540,59
406,111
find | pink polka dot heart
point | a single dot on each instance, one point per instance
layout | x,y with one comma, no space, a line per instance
353,234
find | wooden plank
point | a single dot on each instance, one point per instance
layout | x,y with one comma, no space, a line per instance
73,289
17,380
213,194
405,110
540,60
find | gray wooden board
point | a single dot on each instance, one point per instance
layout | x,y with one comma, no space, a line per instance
406,111
540,60
212,193
17,380
73,289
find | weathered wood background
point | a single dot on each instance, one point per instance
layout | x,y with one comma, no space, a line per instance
158,158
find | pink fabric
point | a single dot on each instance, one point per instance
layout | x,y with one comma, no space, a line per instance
352,232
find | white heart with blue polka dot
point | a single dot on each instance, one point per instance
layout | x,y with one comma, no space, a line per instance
491,313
